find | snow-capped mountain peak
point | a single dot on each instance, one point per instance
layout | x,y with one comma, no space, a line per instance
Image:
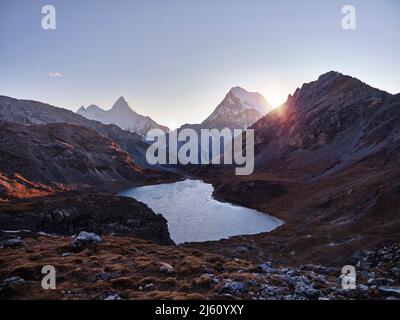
93,108
239,109
251,100
81,110
122,104
123,115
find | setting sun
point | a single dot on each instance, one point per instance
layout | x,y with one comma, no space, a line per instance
275,96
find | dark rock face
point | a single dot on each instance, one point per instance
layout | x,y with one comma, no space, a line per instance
265,190
122,115
96,213
328,125
38,159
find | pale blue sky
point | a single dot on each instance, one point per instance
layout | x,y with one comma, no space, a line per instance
176,59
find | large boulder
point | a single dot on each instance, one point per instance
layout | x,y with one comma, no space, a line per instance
86,239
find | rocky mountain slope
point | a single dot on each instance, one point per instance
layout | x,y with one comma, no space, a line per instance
123,115
34,112
41,160
327,163
327,126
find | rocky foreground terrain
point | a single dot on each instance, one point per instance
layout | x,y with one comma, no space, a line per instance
113,268
30,112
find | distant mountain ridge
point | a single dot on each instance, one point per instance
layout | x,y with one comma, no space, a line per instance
123,115
34,112
238,110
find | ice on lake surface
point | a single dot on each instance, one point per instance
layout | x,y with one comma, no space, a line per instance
193,215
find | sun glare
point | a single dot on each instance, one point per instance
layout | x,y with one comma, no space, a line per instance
275,97
275,94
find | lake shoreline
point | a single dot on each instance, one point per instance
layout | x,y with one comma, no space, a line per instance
217,220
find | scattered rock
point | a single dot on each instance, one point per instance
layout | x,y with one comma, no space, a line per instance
320,269
307,290
266,267
240,250
392,298
66,254
105,276
11,281
272,292
166,268
396,272
148,286
234,288
252,282
110,296
86,239
14,243
390,291
380,282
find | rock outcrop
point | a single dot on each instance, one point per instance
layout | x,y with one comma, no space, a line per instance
100,214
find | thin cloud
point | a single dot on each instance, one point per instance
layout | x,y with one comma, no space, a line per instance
55,74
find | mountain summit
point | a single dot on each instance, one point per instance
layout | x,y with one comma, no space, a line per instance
327,125
123,115
238,110
122,105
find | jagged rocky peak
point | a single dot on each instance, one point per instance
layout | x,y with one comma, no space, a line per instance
93,107
343,118
239,109
123,115
248,99
334,89
122,104
81,110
